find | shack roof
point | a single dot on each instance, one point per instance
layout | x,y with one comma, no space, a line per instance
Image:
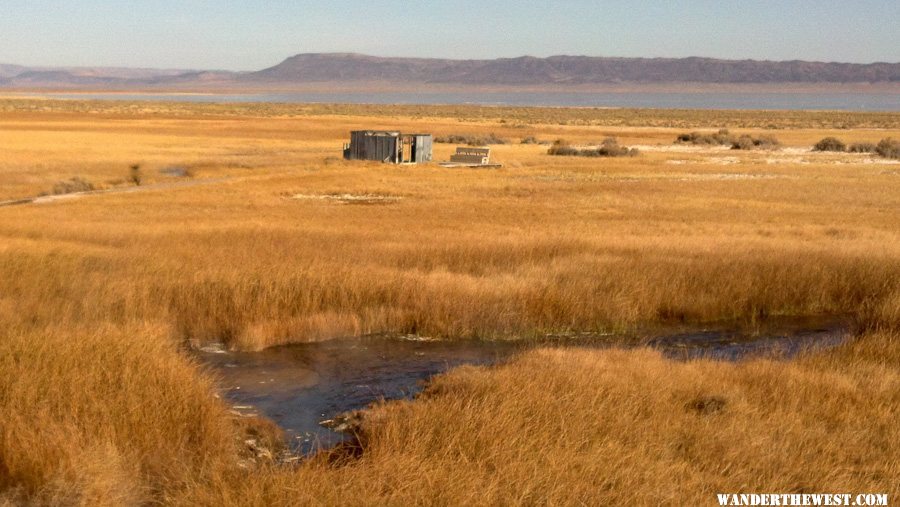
389,133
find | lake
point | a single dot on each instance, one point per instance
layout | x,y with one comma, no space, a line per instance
842,101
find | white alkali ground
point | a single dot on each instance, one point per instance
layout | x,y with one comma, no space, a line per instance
800,156
348,197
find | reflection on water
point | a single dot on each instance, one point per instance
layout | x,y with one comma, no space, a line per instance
298,386
782,338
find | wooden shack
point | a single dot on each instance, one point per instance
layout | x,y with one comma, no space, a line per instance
389,147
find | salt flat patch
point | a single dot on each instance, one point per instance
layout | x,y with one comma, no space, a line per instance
785,155
662,176
831,159
732,176
798,156
870,160
787,160
723,160
350,198
706,161
714,149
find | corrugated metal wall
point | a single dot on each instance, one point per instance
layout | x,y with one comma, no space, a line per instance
423,149
381,148
365,145
384,146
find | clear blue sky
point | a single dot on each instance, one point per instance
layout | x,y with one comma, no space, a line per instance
249,35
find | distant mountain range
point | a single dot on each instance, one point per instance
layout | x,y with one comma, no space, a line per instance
554,71
19,75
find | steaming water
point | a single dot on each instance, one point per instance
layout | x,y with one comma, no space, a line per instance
843,101
300,385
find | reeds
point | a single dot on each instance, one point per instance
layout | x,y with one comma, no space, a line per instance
106,415
99,295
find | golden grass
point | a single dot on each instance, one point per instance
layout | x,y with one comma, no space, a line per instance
544,245
107,416
114,418
582,427
98,294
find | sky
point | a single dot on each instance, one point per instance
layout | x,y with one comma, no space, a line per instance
251,35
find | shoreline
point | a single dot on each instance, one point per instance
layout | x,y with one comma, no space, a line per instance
791,100
232,88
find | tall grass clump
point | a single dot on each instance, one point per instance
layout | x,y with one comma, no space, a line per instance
105,416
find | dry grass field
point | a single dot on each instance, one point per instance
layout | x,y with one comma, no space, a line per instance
250,229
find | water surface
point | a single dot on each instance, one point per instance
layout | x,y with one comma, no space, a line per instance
794,100
299,386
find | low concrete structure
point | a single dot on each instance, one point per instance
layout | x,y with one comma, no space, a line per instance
466,155
470,157
389,147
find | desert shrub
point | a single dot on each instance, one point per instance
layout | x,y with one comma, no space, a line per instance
562,147
767,142
746,142
830,144
471,139
888,148
608,148
862,148
71,186
722,137
530,140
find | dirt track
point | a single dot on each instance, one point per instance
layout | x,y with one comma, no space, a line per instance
117,190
